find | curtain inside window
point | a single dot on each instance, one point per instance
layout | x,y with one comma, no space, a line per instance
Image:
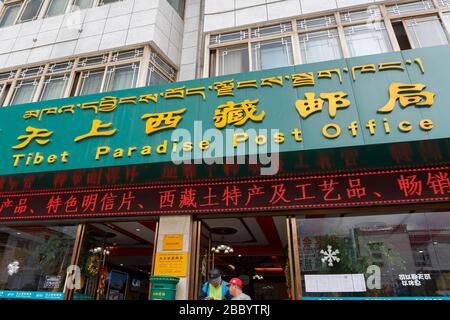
57,7
320,46
83,4
272,54
91,82
420,30
123,77
233,60
54,88
31,10
365,40
24,93
9,16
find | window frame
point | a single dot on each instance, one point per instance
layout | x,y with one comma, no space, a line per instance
8,5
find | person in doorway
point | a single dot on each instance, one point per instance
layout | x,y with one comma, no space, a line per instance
235,288
215,288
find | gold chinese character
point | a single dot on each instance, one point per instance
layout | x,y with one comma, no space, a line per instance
34,134
224,88
309,106
237,113
155,121
408,94
96,126
336,100
303,79
364,69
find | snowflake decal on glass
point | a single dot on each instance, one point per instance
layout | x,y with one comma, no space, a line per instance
13,267
330,256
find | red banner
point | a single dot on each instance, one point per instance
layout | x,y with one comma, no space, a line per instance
283,193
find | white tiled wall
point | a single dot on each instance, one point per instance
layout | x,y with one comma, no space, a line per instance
222,14
125,23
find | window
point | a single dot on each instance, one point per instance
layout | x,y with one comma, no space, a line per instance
233,60
408,251
24,92
420,29
9,15
320,46
103,2
31,10
155,77
35,259
272,54
91,82
178,5
56,7
122,77
367,39
54,88
82,4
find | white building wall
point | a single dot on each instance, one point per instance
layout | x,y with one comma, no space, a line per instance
222,14
120,24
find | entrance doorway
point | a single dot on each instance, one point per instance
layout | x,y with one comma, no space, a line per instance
254,249
116,260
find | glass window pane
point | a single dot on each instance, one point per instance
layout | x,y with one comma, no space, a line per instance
272,54
24,92
35,259
9,15
122,77
320,46
57,7
82,4
233,60
31,10
178,5
102,2
91,82
390,254
54,88
155,78
367,39
420,30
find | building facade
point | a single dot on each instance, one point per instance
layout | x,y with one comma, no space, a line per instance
348,96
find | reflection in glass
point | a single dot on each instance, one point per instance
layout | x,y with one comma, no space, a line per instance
35,258
392,255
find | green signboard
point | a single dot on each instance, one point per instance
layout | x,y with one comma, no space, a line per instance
378,99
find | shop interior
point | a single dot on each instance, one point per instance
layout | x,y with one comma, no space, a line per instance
116,261
253,249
